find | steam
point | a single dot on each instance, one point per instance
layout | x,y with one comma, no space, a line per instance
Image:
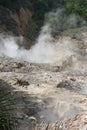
60,21
47,49
10,48
42,52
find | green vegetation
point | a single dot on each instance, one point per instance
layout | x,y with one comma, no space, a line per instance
40,7
7,119
78,7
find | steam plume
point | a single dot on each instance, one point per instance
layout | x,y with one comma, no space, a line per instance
60,21
47,49
42,52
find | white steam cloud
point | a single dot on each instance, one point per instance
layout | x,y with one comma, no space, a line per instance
60,21
62,51
42,52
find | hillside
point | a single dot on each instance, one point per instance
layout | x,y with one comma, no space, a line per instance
43,64
25,17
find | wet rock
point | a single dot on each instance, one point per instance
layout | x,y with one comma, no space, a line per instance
72,79
33,120
67,84
22,82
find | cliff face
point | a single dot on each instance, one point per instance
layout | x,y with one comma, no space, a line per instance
14,21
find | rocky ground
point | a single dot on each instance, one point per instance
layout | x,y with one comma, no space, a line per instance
49,96
46,98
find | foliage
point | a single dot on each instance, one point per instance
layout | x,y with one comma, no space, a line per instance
40,7
15,5
7,120
78,7
71,7
33,29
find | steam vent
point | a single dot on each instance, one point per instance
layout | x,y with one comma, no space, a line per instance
43,65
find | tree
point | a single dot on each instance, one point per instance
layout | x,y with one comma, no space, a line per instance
78,7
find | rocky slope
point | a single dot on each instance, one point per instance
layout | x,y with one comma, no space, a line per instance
46,96
26,17
43,93
15,16
49,96
15,19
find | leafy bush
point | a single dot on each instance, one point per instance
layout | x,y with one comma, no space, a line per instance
78,7
40,7
7,119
